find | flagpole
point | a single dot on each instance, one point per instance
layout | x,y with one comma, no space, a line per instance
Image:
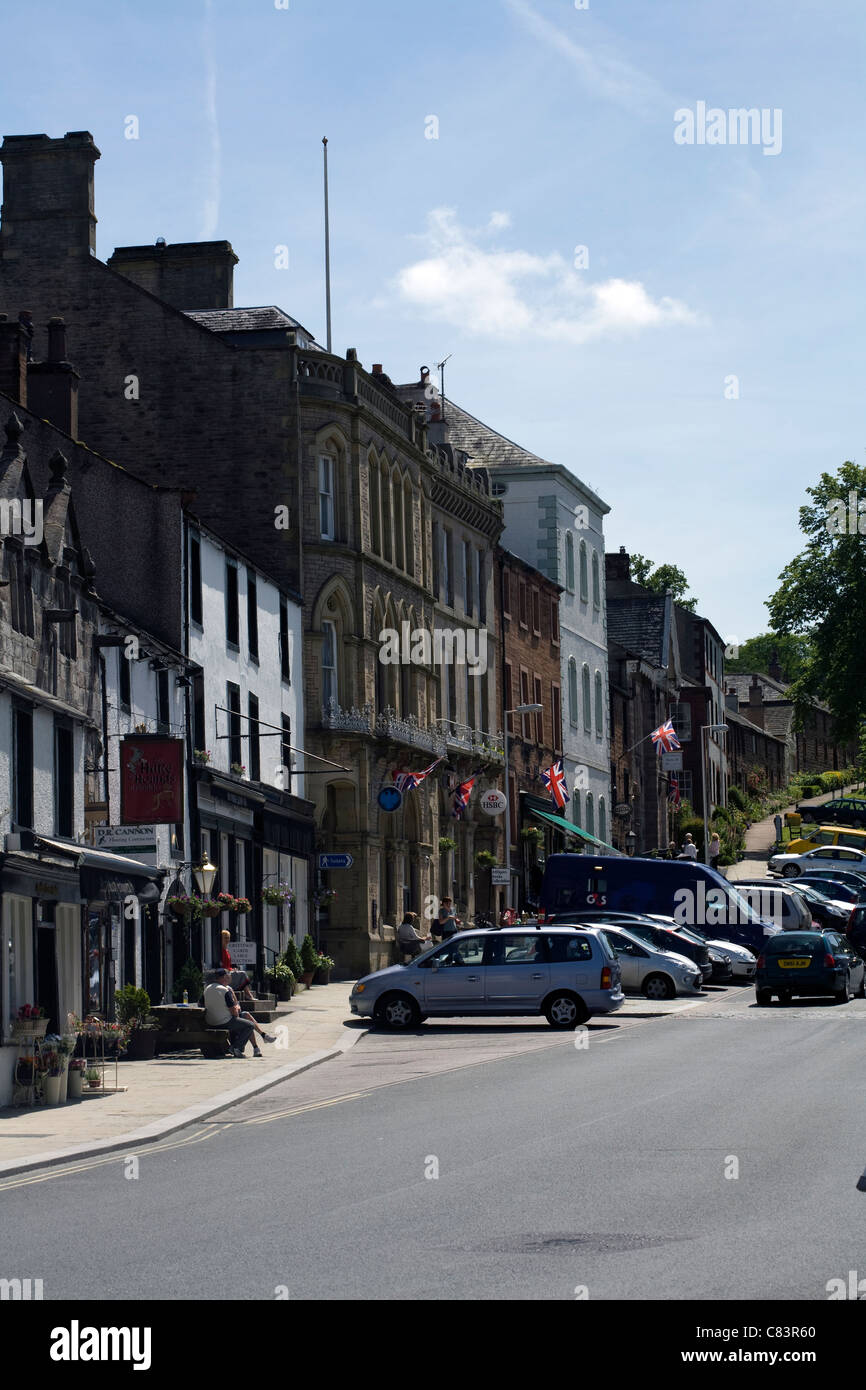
327,246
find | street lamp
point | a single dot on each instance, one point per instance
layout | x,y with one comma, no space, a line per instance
204,875
630,842
707,729
519,709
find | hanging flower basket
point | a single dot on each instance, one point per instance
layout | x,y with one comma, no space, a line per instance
242,906
227,902
184,907
275,894
209,908
29,1027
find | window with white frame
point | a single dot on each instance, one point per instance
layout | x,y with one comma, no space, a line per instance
326,497
599,706
587,700
329,664
572,691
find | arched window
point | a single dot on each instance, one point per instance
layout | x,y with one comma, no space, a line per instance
387,516
587,700
596,585
397,494
590,815
330,674
569,562
375,518
408,529
584,579
599,706
602,819
327,497
572,690
575,807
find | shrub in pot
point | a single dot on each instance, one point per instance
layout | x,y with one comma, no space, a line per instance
309,959
281,979
323,970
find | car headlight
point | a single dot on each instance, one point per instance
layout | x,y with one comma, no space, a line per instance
359,989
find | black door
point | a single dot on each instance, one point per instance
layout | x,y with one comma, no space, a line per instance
46,974
152,948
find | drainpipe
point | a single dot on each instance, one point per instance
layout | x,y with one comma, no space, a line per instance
504,706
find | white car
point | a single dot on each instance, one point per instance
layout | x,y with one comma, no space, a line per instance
792,865
741,960
647,970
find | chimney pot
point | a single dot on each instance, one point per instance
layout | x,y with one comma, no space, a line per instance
56,339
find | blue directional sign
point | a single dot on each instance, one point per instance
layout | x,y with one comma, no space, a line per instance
335,861
390,799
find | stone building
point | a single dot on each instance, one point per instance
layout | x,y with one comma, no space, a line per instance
528,616
764,701
323,477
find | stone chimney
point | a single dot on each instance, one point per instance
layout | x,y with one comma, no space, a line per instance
755,711
188,275
617,566
774,670
47,210
14,345
732,700
52,385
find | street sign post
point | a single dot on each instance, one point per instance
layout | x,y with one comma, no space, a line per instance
335,861
672,762
390,799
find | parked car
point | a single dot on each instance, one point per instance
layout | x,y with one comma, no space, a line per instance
832,881
564,973
741,960
780,903
828,836
665,936
802,906
809,963
649,971
842,810
825,910
678,888
792,865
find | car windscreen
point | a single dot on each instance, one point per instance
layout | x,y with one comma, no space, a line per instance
794,943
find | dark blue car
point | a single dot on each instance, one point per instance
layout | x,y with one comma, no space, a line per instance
809,963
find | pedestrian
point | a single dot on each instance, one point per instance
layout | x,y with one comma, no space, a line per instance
690,849
225,955
715,850
672,849
448,923
408,938
222,1010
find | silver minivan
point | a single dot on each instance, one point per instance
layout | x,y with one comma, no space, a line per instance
564,973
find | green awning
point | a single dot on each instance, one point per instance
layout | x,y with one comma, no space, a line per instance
562,824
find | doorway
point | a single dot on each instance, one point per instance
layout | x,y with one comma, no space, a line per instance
46,973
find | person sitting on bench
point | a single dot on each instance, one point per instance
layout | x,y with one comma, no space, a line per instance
409,940
240,983
222,1010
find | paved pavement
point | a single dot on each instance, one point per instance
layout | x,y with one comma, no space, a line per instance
709,1155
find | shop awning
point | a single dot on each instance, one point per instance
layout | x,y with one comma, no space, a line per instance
113,876
562,824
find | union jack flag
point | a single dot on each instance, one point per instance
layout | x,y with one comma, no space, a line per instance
674,791
408,781
553,778
664,737
462,795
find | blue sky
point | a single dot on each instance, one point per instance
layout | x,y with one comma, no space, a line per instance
555,130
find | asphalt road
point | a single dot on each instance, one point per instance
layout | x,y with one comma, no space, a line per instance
559,1168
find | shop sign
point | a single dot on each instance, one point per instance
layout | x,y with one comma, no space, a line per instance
151,780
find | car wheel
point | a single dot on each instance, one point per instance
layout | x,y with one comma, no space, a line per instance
843,995
659,987
857,822
785,996
565,1011
790,870
398,1011
861,992
764,998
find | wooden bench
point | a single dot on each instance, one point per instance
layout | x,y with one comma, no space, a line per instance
212,1042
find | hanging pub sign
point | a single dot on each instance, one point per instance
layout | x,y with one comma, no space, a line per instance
151,780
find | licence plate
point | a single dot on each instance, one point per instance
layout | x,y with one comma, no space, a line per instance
795,964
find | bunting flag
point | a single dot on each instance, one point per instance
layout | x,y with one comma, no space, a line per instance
408,781
462,795
553,778
664,737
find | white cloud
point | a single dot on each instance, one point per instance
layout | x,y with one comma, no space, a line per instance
492,292
601,73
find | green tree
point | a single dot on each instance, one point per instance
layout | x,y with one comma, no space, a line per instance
756,654
822,594
659,578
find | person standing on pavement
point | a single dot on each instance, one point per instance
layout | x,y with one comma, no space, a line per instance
715,850
448,923
690,849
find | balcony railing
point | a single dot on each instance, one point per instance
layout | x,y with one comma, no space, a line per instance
449,735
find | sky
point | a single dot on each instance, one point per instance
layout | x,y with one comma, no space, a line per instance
522,184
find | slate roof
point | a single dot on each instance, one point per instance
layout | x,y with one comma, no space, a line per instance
642,626
260,319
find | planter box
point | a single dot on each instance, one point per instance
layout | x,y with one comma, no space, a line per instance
29,1027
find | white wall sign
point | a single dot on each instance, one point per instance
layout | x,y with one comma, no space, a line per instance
138,837
493,803
243,952
499,876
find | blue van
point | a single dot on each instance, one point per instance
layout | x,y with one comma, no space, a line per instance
583,886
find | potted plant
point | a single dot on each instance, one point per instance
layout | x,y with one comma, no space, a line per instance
275,894
210,907
323,896
201,756
309,960
64,1046
76,1074
282,979
243,905
226,902
132,1006
238,769
30,1022
292,958
93,1078
52,1065
446,844
184,906
191,980
323,970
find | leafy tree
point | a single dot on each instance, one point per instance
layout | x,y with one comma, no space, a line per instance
756,654
659,578
822,593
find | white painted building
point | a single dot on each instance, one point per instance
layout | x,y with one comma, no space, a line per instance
249,808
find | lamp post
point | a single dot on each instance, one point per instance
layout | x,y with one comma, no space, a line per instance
519,709
204,875
630,842
707,729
